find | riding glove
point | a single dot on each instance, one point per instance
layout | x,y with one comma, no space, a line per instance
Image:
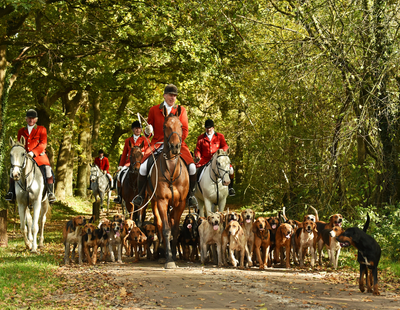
148,130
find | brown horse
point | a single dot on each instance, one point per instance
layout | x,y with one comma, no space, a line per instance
129,186
170,179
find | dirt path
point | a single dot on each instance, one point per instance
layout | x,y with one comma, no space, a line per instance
147,285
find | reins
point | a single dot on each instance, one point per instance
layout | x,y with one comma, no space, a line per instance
218,174
24,175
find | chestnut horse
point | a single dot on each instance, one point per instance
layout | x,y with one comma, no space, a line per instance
129,186
171,180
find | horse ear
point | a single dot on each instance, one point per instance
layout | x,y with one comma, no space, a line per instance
22,140
11,141
141,144
164,111
228,151
130,144
179,111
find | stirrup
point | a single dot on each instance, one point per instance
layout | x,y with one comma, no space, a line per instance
9,197
51,197
138,200
232,192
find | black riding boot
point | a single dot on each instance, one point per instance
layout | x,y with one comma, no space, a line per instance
230,189
50,191
10,196
114,185
142,182
119,197
192,188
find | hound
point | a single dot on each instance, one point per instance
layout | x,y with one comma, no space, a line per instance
261,229
210,232
248,216
152,241
332,245
369,254
90,238
283,238
306,238
115,241
237,242
72,235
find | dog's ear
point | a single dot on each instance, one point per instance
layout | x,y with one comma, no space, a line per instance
315,226
255,228
299,224
268,225
331,218
92,219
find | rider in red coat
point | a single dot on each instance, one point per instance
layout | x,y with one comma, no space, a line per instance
104,165
156,127
207,144
35,144
135,140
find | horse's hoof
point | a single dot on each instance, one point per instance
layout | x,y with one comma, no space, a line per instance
170,265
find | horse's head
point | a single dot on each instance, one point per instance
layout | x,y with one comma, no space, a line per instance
94,173
172,133
18,157
135,157
221,166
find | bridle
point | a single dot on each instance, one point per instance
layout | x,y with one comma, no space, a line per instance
218,174
27,187
136,161
219,169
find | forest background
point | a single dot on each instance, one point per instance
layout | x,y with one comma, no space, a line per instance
305,92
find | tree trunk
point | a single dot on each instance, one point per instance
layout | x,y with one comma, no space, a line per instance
3,229
84,156
119,131
238,159
69,180
63,161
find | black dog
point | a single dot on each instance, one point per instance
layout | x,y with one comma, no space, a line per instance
369,253
189,236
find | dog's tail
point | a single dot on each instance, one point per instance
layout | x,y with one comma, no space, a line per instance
316,213
366,224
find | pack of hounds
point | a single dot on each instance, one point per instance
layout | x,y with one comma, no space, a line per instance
229,238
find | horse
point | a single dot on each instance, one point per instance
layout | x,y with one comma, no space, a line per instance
171,177
212,189
99,183
29,190
129,185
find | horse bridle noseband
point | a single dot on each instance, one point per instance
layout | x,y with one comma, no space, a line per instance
26,187
218,170
137,161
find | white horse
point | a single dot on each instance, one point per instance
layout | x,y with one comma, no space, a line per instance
100,185
29,187
212,189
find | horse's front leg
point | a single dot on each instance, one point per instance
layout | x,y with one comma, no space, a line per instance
43,212
35,223
162,206
28,222
101,194
22,217
221,205
175,217
207,205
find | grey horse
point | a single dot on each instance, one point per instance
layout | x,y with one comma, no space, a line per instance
100,185
29,189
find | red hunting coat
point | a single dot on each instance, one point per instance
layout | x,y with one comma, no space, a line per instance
102,163
124,161
156,119
205,148
36,142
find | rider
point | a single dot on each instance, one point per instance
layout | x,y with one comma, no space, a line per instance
35,144
156,121
135,140
102,162
207,144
